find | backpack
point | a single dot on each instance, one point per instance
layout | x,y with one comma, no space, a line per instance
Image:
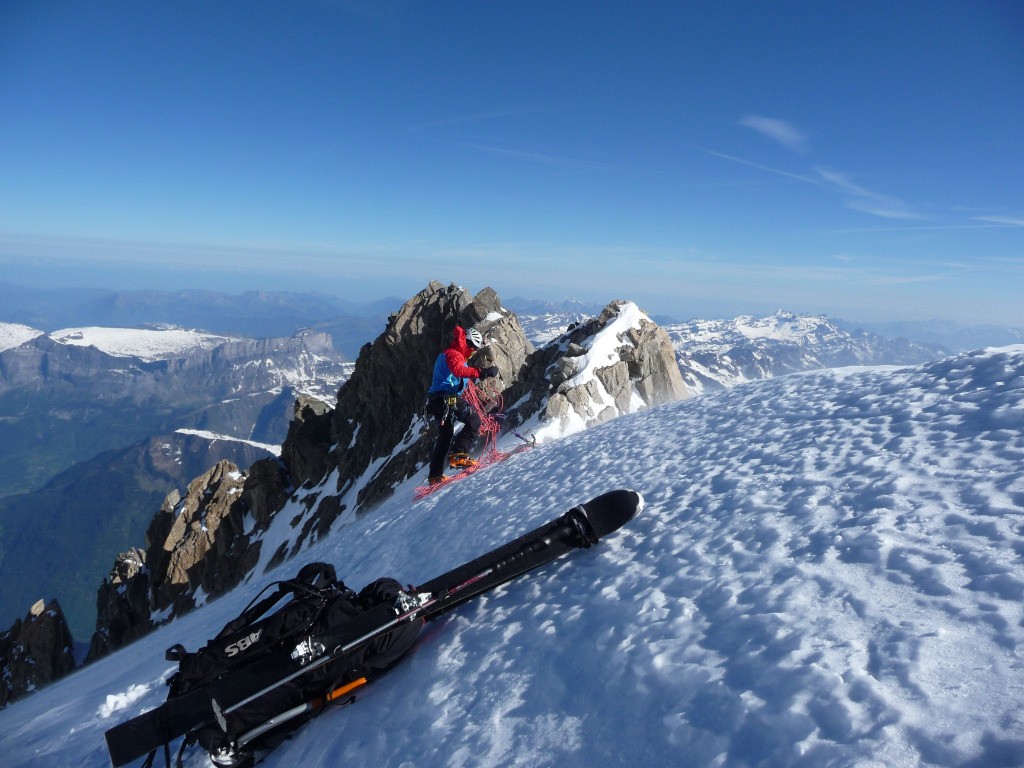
315,604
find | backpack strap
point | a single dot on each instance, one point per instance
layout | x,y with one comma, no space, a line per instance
313,580
318,575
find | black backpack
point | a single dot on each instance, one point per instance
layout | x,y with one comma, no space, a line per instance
315,603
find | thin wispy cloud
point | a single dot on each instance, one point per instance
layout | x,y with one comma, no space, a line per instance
912,228
1006,221
866,201
559,160
841,181
1004,261
766,168
859,198
778,131
531,156
479,117
908,279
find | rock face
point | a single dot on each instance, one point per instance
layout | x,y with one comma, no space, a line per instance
96,509
345,460
379,416
192,539
34,652
122,605
616,363
199,544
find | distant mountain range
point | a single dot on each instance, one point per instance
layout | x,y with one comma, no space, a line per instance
718,354
97,425
269,314
539,318
955,337
254,314
71,394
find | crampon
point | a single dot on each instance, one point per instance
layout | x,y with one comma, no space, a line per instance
488,406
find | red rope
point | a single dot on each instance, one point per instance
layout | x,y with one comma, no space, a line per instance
485,401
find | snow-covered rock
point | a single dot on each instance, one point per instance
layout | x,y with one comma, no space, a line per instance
616,363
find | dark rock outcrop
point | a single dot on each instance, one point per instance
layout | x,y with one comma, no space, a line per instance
201,543
379,417
34,652
122,605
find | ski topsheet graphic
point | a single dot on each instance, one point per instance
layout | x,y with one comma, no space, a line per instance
224,698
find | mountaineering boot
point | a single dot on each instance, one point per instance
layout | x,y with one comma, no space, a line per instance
461,460
436,480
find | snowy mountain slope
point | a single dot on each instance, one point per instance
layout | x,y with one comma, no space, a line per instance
14,335
156,343
544,321
148,344
548,326
214,437
583,374
716,354
252,314
827,571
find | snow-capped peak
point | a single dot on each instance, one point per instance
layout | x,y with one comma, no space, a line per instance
14,335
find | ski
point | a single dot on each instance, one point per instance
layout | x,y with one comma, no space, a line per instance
580,527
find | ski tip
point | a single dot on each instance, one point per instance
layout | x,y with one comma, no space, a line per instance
612,510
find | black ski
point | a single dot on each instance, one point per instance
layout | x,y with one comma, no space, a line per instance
580,527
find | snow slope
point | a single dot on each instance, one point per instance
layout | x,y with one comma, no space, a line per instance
145,343
827,572
214,437
14,335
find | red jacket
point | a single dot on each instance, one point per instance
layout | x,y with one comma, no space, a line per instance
450,368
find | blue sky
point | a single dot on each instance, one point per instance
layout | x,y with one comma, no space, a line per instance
863,159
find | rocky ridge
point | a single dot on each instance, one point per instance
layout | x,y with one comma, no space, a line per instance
344,460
